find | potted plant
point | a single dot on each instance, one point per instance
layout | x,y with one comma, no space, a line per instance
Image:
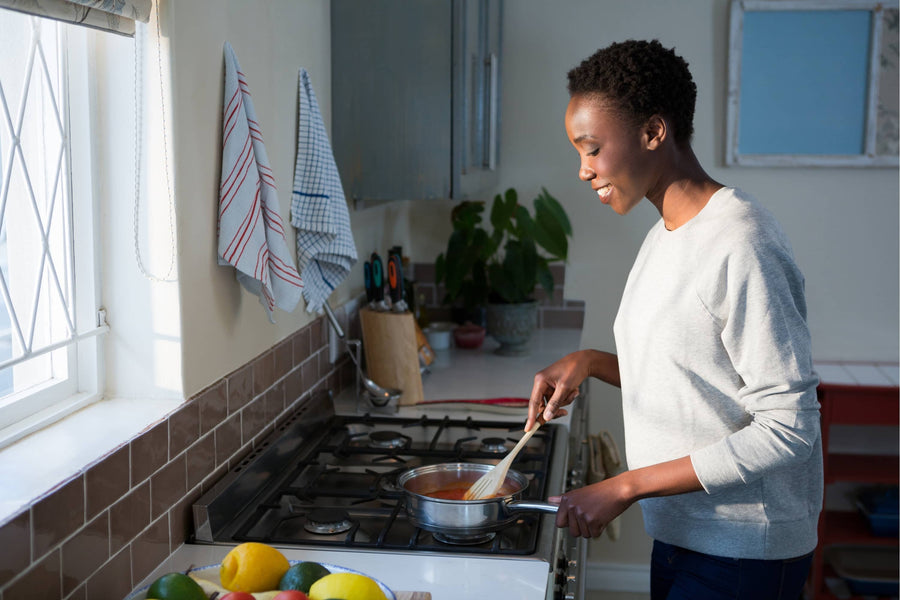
499,271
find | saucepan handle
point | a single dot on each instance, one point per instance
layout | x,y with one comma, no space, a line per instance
531,506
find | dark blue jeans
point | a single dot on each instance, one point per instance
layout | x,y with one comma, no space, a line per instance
680,574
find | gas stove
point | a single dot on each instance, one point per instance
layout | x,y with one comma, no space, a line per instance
328,482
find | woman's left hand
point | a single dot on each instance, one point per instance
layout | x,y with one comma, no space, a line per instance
586,511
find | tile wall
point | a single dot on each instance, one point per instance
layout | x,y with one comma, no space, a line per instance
99,534
553,311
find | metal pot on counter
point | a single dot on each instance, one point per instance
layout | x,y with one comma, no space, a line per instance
433,500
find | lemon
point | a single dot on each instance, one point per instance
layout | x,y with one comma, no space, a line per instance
347,586
252,567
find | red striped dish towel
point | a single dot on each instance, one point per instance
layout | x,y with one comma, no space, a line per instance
251,232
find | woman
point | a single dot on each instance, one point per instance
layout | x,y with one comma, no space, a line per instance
718,390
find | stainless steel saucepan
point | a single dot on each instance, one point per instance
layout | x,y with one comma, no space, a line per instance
463,519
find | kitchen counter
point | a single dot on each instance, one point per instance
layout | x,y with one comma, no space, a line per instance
473,374
456,374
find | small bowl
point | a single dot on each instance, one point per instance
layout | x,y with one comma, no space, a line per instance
468,336
438,335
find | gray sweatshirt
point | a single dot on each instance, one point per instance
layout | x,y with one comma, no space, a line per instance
714,358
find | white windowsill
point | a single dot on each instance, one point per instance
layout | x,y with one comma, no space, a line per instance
36,464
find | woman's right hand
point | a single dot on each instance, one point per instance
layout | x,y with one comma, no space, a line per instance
557,386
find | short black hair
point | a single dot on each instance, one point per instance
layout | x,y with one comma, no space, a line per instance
640,79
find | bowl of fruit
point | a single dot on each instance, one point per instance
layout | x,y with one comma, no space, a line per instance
254,571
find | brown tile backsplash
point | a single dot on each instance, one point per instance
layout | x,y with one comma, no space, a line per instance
200,459
240,387
263,372
213,406
41,580
129,516
84,552
107,481
284,356
149,549
167,486
149,452
184,428
99,534
253,418
15,546
300,346
57,516
228,438
113,580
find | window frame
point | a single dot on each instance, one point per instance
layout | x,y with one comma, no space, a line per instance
29,410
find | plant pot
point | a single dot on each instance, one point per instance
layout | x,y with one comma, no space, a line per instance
512,325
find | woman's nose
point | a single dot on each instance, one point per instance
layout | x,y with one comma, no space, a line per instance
585,173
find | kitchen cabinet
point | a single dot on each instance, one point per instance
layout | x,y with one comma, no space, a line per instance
858,395
416,98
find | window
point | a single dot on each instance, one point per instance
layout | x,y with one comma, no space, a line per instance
813,83
49,311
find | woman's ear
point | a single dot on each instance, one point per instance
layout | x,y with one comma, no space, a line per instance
655,132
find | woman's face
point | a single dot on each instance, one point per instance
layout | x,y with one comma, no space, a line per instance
615,155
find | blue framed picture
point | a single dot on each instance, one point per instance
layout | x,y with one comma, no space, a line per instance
812,83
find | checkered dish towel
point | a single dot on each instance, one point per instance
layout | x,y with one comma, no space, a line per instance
255,246
325,248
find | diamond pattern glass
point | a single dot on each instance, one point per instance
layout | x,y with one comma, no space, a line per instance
36,282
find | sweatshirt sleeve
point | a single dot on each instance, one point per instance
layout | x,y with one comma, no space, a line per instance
756,294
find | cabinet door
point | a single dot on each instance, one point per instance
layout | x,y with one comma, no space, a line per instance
477,43
391,97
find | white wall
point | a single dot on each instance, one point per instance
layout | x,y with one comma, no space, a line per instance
223,326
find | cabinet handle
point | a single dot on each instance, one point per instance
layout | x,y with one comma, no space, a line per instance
493,90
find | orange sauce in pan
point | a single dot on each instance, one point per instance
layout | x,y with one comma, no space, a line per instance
457,492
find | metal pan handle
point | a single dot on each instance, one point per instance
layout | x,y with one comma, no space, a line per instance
531,506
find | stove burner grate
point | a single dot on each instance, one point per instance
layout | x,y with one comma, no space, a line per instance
495,445
328,521
388,439
463,540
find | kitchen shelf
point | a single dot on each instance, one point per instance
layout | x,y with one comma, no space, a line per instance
846,527
853,394
826,594
862,468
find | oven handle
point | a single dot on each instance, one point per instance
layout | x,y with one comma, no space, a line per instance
582,567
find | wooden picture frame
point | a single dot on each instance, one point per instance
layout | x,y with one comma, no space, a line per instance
812,83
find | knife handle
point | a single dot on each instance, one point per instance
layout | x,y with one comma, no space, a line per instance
367,280
395,278
377,277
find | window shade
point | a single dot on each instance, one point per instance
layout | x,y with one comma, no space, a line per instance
117,16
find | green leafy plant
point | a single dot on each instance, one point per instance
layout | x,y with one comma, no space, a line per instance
506,264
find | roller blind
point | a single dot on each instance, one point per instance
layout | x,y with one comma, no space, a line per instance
117,16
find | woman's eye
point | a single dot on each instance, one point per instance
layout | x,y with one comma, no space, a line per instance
594,152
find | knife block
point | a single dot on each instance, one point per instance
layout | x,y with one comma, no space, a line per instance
392,352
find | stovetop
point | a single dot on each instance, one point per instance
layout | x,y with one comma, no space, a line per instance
330,481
